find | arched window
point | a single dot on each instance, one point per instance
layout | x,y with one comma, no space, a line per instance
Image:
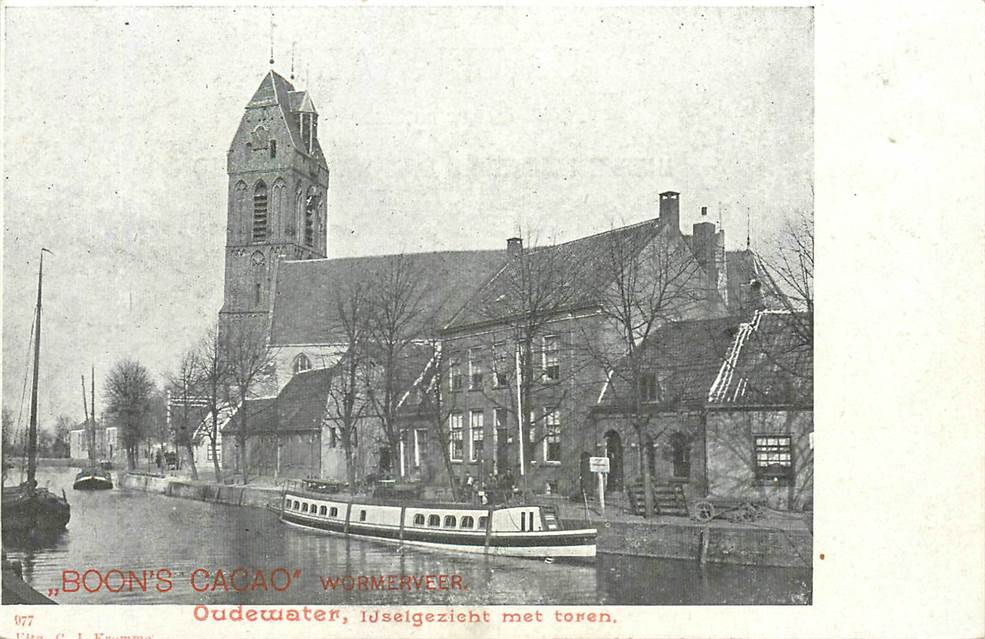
238,222
301,363
310,213
260,212
278,199
291,221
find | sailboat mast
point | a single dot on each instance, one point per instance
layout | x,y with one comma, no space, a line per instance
85,409
32,433
92,406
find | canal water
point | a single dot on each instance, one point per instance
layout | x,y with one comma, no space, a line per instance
192,541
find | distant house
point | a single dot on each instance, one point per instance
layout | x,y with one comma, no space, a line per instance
108,447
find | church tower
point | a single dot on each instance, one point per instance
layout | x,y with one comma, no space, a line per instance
278,196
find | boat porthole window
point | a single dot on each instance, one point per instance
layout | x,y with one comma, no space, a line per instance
434,521
482,522
322,510
450,521
334,512
304,507
362,515
467,522
418,519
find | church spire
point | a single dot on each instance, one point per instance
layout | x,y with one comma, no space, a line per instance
271,37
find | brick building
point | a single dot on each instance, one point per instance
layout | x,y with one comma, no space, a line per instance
518,343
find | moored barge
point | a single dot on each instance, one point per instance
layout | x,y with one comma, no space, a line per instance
532,531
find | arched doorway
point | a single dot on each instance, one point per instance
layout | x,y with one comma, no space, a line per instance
613,450
680,447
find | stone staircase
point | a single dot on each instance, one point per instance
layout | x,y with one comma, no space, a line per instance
668,499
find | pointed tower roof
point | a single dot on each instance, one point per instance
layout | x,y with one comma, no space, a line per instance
301,102
277,91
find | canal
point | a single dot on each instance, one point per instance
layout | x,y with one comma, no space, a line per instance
145,533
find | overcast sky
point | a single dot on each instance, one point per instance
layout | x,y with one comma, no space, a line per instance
443,129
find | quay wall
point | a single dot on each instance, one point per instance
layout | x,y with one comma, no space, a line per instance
753,545
248,496
740,545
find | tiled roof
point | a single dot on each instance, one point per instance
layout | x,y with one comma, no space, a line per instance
567,274
771,362
301,403
275,89
299,406
685,356
261,416
305,310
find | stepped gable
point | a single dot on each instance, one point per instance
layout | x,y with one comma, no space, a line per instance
305,311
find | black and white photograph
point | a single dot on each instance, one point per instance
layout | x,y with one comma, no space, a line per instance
339,314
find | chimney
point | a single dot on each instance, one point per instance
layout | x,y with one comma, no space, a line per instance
670,209
703,244
514,246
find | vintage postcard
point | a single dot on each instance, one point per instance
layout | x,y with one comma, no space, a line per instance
412,321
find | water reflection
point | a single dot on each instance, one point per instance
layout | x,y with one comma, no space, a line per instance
138,531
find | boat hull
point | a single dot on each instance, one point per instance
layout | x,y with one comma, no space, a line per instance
535,544
93,480
26,509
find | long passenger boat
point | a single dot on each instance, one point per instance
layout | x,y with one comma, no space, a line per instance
532,531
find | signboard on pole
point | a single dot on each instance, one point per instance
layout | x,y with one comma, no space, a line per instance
598,464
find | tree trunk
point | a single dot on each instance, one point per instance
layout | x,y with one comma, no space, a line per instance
191,459
212,443
645,474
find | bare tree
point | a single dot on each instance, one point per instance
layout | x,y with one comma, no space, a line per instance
184,408
212,379
129,393
437,409
347,404
393,324
639,289
522,302
249,362
789,266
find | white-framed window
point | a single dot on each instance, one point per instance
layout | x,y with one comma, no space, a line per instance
476,428
301,363
552,436
774,457
420,446
456,440
551,358
454,375
475,369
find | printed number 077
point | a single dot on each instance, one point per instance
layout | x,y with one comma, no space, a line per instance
23,620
